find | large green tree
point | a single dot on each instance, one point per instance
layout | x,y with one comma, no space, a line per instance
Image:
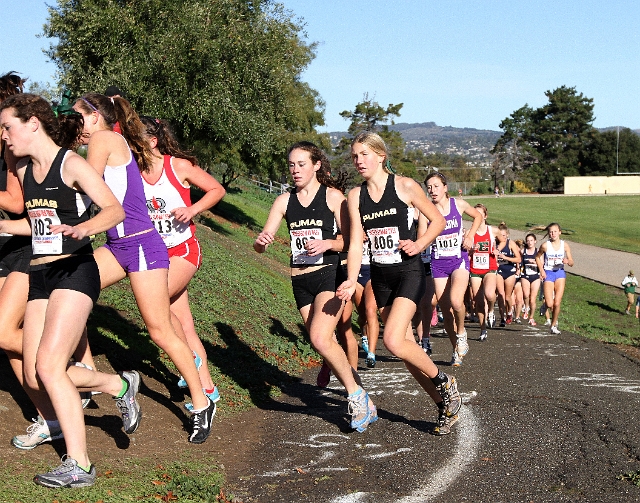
548,141
226,73
611,152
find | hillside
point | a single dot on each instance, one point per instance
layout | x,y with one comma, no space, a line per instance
474,144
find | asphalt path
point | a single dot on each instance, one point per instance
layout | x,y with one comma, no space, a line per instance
545,418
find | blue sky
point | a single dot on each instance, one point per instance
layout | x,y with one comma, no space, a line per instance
459,63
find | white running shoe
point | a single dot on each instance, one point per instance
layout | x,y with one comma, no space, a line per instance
491,319
462,346
547,323
38,433
456,359
554,330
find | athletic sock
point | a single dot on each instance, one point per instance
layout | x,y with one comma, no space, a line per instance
125,388
85,469
356,393
53,425
440,378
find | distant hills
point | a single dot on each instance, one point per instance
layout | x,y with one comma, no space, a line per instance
474,144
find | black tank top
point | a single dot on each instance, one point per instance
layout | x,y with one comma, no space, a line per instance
529,263
505,265
386,223
7,215
315,221
53,202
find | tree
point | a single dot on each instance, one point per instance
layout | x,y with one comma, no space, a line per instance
611,152
368,115
547,142
226,73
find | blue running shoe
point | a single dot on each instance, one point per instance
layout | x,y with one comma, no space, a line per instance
365,344
362,410
370,360
181,382
214,396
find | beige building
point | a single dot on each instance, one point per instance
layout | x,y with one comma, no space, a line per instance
621,184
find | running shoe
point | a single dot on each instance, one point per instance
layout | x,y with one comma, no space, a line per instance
68,474
509,319
324,376
434,318
370,360
362,410
426,345
365,344
201,423
444,424
456,359
517,320
212,394
554,330
532,322
491,320
483,335
503,323
37,433
526,313
128,404
547,323
181,382
450,397
462,346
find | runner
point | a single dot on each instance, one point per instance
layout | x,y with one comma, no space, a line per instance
397,274
427,306
508,256
168,194
314,213
484,268
450,261
530,277
551,258
64,282
366,306
518,296
134,249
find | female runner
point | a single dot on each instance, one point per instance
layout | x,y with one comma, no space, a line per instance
314,212
167,190
508,255
483,268
385,206
427,306
530,277
64,282
450,261
15,256
134,249
551,258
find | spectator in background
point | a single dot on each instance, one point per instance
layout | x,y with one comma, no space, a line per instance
630,283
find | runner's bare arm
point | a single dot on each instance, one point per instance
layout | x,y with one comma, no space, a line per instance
276,214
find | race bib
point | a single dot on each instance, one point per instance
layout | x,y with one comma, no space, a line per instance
384,245
448,245
299,238
481,261
43,241
172,231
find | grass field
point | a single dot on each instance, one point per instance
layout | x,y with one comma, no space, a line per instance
607,221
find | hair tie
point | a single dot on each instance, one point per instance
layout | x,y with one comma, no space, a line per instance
388,166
